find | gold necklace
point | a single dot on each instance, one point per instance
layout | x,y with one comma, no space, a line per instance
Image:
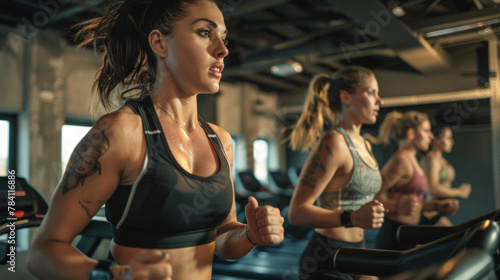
188,133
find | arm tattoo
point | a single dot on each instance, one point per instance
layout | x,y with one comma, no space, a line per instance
227,227
330,152
228,148
84,206
84,160
322,166
309,180
237,231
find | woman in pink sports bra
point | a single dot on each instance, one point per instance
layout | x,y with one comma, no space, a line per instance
403,181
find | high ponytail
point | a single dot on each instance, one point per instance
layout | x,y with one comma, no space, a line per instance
121,35
396,125
386,129
323,105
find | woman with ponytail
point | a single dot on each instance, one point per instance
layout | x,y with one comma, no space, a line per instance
162,171
341,173
403,181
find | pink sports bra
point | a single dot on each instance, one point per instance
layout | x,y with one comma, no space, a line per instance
417,185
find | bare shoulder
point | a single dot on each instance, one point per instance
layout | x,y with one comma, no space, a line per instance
118,124
398,162
224,136
432,161
123,131
399,159
334,143
368,144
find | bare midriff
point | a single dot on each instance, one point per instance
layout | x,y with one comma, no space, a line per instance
353,235
187,263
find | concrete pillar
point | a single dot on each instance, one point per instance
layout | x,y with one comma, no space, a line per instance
46,111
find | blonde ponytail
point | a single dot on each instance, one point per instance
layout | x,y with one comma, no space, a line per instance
395,125
386,128
315,115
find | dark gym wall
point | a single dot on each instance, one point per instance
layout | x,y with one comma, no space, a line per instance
471,157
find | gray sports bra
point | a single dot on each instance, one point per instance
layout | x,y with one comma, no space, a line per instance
364,184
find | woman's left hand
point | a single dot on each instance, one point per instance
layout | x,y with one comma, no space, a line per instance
264,224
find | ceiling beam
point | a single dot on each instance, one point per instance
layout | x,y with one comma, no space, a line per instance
455,20
28,3
309,54
318,69
239,8
302,21
375,21
285,31
305,42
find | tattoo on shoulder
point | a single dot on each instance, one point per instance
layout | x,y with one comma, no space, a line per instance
84,161
228,148
329,150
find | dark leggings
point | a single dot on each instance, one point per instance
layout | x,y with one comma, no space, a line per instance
110,257
432,221
316,262
386,237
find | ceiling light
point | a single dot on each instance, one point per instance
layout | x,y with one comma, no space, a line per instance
398,11
286,68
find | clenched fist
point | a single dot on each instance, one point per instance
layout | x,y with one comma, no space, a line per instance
369,216
265,223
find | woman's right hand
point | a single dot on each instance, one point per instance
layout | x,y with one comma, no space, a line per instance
407,205
465,190
369,216
149,265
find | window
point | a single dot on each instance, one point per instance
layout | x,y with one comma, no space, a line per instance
8,143
71,136
4,147
260,157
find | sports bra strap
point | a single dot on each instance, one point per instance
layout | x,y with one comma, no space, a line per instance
148,123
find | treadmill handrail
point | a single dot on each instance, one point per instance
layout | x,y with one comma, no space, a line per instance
388,262
414,235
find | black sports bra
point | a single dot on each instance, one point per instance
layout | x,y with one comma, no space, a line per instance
167,207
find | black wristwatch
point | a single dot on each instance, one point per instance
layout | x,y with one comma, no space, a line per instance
102,271
346,218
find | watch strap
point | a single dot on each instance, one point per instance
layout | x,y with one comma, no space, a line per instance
102,271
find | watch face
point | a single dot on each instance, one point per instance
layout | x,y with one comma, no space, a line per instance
346,218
